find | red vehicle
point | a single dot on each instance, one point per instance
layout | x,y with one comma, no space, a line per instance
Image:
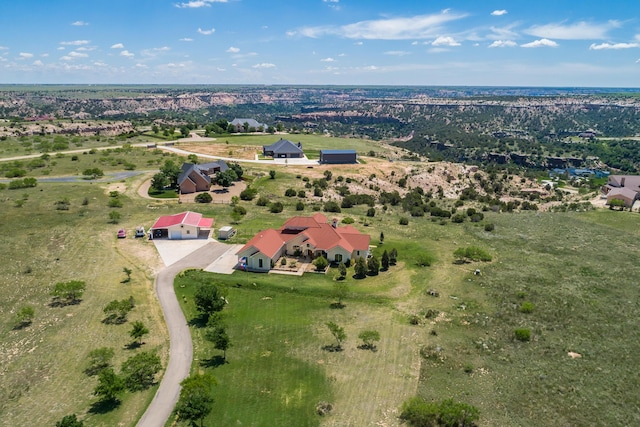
122,233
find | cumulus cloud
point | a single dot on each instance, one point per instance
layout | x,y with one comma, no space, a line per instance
264,65
195,4
503,43
186,39
540,43
415,27
499,12
38,63
78,54
333,4
117,46
615,46
327,60
4,48
445,41
75,43
233,49
127,54
578,31
206,32
25,55
79,24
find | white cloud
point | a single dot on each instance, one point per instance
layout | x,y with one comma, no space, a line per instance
186,39
333,4
397,52
99,64
141,66
233,49
25,55
79,24
438,50
502,33
4,48
327,60
445,41
86,49
206,32
264,65
499,12
541,43
75,43
38,63
78,55
578,31
117,46
61,48
503,43
603,46
195,4
127,54
415,27
44,55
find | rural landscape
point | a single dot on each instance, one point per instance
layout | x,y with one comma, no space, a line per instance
497,285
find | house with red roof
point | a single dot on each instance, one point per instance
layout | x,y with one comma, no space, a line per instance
185,225
304,236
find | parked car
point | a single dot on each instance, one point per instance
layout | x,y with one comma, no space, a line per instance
122,233
140,231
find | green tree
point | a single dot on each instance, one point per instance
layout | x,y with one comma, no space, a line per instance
139,371
342,269
226,178
338,333
24,316
195,401
360,268
128,272
381,237
373,266
70,421
272,174
93,173
117,310
219,337
237,168
66,293
203,198
393,256
171,171
369,338
320,263
385,260
99,359
114,217
209,299
138,330
159,182
110,385
340,291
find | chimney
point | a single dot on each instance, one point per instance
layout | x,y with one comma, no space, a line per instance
622,181
334,223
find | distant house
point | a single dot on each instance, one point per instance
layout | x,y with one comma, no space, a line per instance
304,236
623,187
197,177
240,125
283,149
338,156
185,225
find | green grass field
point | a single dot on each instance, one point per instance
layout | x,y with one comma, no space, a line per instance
576,270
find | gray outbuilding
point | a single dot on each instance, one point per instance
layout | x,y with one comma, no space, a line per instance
338,156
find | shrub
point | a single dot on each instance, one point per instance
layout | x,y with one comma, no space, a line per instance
321,263
404,220
262,201
290,192
114,202
302,194
299,206
489,227
458,218
248,193
471,253
332,206
276,207
527,307
522,334
418,413
371,212
424,259
348,220
203,198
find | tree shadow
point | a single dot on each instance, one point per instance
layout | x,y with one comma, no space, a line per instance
21,325
357,277
213,362
199,321
371,347
337,305
332,348
133,345
104,406
114,320
56,302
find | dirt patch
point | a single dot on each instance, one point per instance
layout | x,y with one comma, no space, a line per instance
221,150
116,186
218,194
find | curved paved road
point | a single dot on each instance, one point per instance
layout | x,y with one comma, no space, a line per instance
181,352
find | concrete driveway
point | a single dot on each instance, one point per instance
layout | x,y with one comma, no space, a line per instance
179,255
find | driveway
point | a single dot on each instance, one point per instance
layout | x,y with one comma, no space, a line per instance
186,254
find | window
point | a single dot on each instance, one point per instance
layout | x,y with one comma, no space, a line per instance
188,231
338,257
260,263
358,253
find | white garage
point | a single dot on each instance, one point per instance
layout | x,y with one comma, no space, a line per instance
185,225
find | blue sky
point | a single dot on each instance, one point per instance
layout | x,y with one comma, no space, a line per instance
343,42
